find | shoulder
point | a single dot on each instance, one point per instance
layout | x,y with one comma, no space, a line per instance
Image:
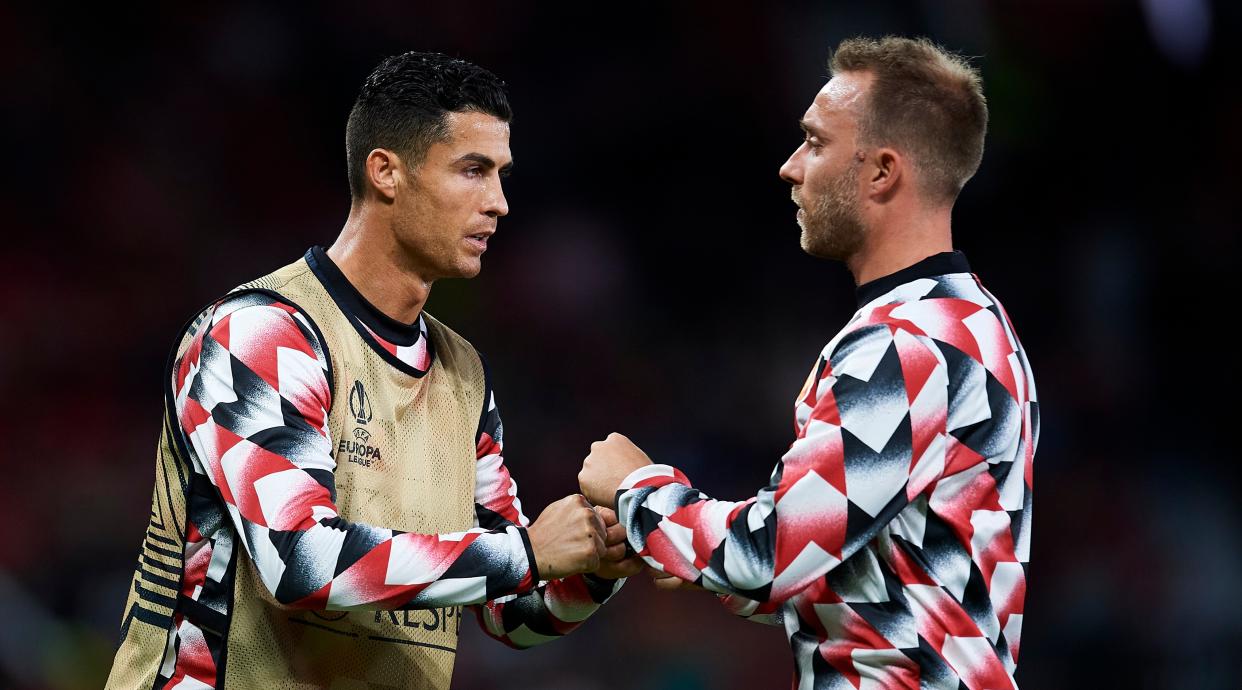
441,332
453,349
259,333
868,346
263,319
951,309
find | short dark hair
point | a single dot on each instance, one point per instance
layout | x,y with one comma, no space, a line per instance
403,103
923,100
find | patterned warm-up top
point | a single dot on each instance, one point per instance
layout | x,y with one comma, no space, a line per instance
893,539
251,395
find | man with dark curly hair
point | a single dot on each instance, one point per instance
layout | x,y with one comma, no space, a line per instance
330,490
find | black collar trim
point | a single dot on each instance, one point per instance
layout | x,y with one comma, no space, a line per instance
364,315
936,265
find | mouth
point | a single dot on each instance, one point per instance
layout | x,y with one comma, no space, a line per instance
478,241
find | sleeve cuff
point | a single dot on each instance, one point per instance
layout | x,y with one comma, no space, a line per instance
601,588
653,476
533,569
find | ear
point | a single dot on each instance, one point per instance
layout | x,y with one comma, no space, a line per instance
886,170
384,171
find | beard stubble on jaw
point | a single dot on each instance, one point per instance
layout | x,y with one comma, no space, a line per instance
832,225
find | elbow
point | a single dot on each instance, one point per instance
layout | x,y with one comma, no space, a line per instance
750,575
520,638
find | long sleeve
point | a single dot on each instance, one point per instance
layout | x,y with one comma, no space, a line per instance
552,609
252,397
749,609
872,412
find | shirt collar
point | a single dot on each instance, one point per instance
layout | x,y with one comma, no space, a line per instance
379,323
935,265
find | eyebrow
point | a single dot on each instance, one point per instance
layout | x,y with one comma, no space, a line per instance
808,129
485,161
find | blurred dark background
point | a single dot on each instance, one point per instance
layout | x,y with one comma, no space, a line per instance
647,280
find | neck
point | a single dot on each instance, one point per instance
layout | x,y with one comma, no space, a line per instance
892,245
368,253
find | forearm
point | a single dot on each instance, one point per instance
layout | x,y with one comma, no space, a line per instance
870,437
554,609
252,402
677,529
379,569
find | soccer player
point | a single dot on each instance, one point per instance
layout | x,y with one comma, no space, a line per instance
893,539
330,489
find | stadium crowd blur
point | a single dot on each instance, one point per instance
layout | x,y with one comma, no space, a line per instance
648,280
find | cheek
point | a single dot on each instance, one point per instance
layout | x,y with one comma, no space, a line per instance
812,174
820,171
436,213
459,200
831,176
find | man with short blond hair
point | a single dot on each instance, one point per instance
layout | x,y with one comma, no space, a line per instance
923,100
893,539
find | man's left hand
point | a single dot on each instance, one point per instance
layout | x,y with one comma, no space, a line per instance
614,564
609,463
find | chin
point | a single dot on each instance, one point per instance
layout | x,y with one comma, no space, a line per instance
810,246
822,249
469,269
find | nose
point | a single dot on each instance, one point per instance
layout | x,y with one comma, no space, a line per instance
497,205
791,171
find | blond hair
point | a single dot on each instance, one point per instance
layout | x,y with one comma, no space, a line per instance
923,101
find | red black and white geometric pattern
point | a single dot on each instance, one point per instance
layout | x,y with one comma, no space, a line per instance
417,356
554,608
894,536
252,397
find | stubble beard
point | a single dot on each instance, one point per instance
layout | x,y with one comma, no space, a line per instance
831,222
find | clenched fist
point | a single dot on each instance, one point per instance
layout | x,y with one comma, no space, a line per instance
615,564
609,463
567,538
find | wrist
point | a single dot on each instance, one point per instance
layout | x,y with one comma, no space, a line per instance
532,558
653,475
600,579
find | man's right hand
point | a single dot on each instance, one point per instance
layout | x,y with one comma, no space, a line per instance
567,538
666,582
